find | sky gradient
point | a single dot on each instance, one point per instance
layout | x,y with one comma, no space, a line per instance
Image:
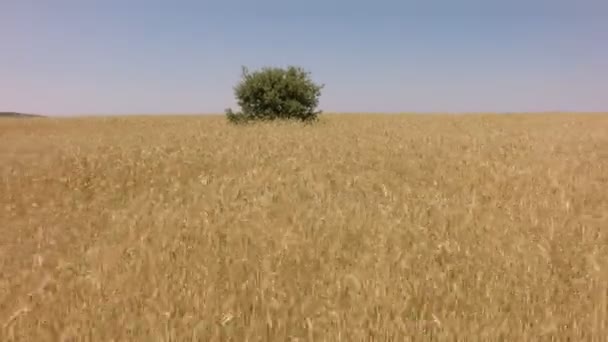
77,57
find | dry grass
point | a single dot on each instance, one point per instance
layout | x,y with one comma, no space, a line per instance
360,228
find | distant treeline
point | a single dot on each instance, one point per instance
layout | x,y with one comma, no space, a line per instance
15,114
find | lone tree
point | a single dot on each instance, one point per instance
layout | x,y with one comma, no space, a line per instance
275,93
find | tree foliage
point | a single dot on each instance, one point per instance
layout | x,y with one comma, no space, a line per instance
276,93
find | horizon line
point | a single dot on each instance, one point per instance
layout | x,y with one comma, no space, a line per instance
114,114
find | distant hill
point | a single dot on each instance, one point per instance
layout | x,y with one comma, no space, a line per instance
18,115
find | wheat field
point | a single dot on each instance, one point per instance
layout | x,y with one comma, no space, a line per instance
358,228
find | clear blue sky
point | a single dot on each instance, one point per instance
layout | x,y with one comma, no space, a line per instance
184,56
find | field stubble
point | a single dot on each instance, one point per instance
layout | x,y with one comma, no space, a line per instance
358,228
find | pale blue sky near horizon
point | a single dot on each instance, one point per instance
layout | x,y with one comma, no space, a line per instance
70,57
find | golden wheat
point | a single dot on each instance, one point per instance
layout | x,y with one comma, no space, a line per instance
362,227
